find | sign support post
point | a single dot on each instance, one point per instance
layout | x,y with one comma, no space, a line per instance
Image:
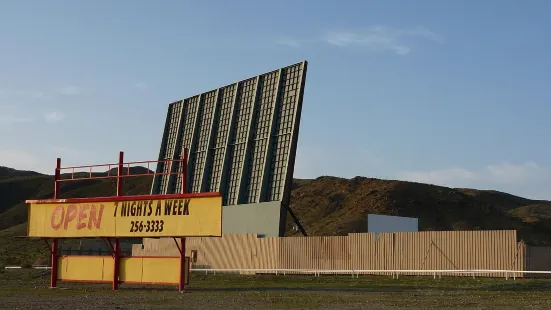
53,274
53,248
116,258
181,284
117,244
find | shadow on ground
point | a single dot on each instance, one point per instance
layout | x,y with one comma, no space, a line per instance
513,287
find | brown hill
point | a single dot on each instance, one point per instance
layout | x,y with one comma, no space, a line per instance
337,206
325,206
6,172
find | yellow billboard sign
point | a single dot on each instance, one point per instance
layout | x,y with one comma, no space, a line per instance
180,215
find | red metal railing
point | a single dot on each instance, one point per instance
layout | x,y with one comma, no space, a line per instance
65,174
109,167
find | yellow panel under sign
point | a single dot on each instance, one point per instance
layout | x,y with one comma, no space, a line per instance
146,270
152,270
131,269
85,268
185,215
164,270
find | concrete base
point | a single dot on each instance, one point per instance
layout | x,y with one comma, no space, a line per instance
266,218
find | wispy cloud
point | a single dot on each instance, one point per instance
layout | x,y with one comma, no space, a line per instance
72,155
10,119
312,162
70,90
141,85
289,42
23,160
528,179
448,176
11,115
54,117
22,93
376,38
43,159
18,94
31,94
380,38
70,152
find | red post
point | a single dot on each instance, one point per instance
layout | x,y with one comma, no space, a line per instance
184,171
189,270
120,173
117,245
53,274
181,283
116,250
57,175
53,249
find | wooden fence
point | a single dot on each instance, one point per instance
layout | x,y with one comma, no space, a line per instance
430,250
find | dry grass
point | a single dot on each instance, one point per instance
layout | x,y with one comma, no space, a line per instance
25,289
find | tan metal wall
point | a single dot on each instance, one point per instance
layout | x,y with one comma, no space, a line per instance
330,253
431,250
457,250
229,252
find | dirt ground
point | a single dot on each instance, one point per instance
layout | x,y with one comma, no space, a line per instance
27,289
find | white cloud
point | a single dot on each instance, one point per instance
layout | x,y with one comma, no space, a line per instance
43,160
54,117
289,42
420,32
10,119
21,94
507,173
380,38
11,114
528,179
29,94
141,85
312,162
70,153
17,94
22,160
304,168
376,38
70,90
441,177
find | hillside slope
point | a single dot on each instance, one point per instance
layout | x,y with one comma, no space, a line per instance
6,172
325,206
337,206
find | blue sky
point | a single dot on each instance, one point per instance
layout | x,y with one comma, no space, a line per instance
443,92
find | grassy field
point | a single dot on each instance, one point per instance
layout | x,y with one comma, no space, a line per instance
27,289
